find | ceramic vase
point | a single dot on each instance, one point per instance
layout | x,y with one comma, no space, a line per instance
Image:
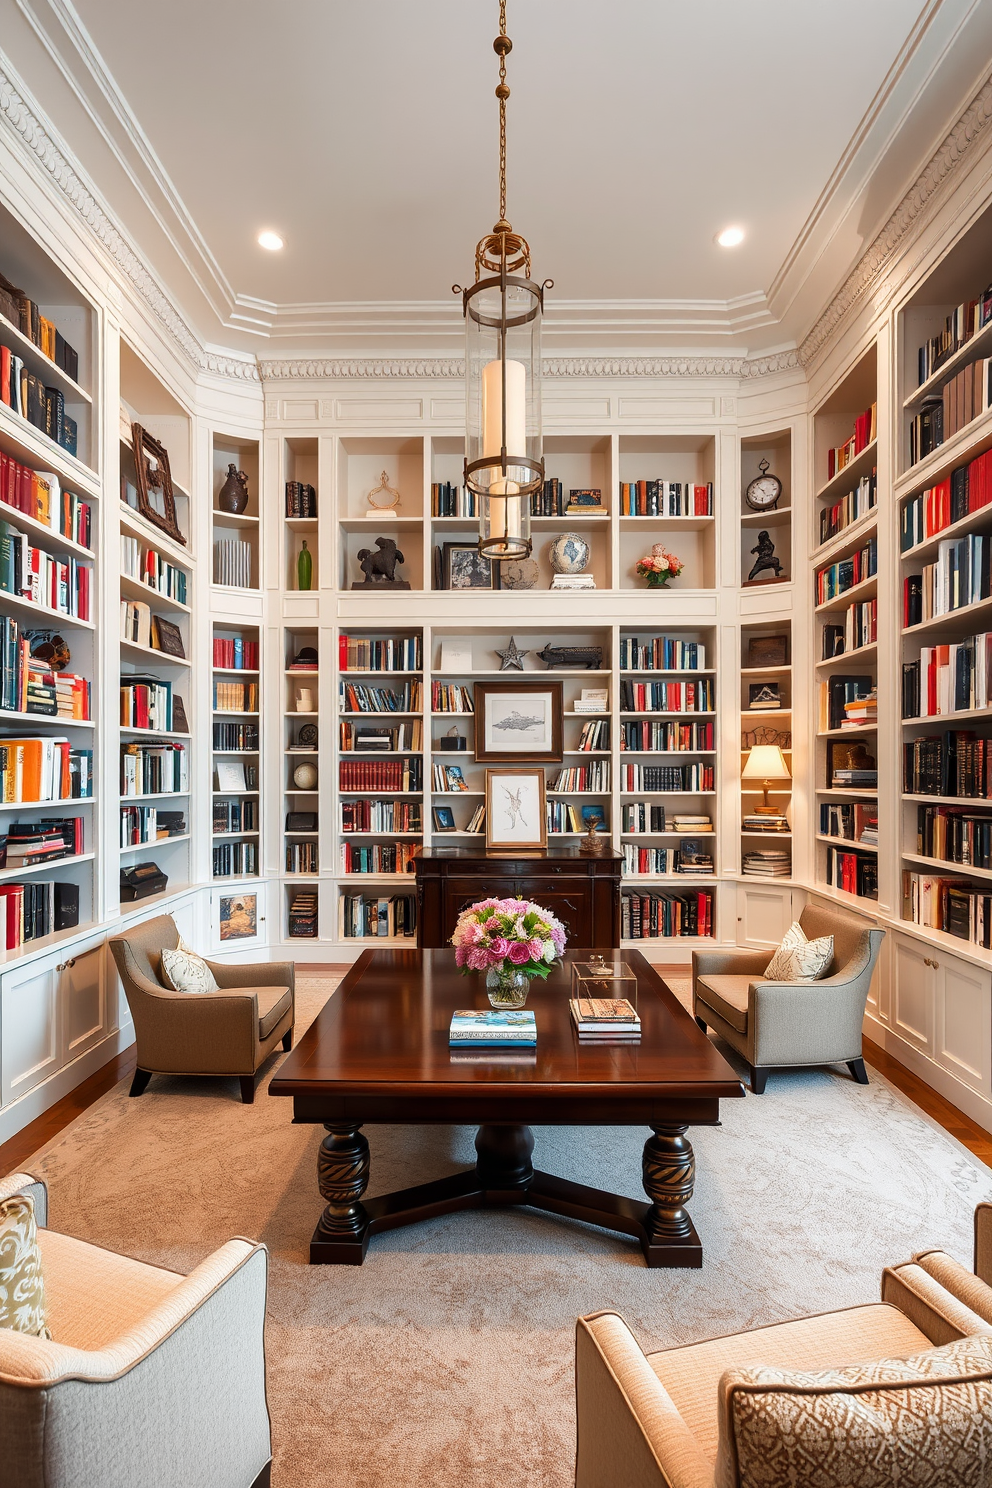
304,567
233,494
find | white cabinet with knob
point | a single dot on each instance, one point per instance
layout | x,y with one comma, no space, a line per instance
764,914
942,1007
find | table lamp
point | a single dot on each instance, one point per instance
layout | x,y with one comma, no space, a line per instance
766,763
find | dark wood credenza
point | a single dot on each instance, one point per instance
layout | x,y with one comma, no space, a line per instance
583,892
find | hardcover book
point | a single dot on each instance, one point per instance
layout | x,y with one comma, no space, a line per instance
498,1026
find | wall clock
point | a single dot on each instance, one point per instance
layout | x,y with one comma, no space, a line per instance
763,492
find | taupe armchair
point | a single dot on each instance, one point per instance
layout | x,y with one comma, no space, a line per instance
662,1420
150,1377
229,1032
775,1023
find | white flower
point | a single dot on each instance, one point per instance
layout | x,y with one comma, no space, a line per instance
549,950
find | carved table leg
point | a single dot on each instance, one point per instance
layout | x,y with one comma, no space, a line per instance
342,1177
669,1169
503,1155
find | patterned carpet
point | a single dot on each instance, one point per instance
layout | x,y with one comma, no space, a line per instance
446,1360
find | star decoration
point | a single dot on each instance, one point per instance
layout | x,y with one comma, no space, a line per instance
512,657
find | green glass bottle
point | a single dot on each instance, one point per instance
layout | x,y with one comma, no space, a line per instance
304,568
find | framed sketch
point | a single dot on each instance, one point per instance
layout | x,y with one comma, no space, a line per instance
518,721
463,567
238,916
167,637
156,499
444,818
764,695
516,810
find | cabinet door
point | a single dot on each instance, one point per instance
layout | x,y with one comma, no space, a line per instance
82,994
568,901
764,914
32,1042
964,1021
914,993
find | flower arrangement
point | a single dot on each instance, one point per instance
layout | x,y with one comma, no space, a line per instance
495,932
658,567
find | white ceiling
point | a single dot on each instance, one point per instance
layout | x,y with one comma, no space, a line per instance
366,135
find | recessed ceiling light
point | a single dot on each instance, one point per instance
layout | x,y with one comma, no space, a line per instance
730,237
270,240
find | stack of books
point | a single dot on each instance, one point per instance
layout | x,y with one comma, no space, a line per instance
860,711
690,821
504,1028
303,913
765,822
611,1020
765,864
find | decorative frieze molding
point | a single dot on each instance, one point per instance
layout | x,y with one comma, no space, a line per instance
374,369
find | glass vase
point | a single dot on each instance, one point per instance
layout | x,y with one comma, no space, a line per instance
304,567
507,986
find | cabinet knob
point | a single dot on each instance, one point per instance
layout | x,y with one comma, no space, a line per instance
65,965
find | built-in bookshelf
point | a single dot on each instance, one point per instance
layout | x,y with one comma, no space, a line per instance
301,765
766,684
301,520
236,785
766,533
235,534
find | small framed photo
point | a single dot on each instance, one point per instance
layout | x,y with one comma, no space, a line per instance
463,567
516,811
238,916
594,813
518,721
444,818
764,695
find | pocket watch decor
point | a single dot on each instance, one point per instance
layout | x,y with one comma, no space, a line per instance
764,491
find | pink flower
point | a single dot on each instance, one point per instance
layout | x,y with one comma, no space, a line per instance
461,955
536,948
477,959
520,952
500,946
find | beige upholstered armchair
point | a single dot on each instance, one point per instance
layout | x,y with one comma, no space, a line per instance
678,1418
228,1032
774,1023
149,1378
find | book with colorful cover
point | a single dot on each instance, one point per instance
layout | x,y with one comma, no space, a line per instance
599,1016
496,1026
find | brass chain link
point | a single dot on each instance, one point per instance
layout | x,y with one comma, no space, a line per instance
502,93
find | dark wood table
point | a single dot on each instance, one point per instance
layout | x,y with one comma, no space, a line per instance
378,1052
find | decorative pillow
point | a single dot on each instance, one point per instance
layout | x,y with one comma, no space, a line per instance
923,1422
798,959
184,971
22,1291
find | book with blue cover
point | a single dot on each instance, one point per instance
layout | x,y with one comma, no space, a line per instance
502,1026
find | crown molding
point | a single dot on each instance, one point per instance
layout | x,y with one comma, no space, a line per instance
449,368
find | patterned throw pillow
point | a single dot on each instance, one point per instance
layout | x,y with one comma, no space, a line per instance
22,1291
184,971
798,959
923,1422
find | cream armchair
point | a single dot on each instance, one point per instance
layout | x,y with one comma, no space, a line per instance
229,1032
774,1023
150,1378
655,1420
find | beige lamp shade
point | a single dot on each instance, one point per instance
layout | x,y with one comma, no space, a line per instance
765,762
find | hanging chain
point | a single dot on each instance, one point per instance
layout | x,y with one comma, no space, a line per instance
501,46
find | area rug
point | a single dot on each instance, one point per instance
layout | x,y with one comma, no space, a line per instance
446,1360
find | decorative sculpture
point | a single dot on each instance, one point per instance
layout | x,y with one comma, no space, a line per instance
590,657
765,550
379,567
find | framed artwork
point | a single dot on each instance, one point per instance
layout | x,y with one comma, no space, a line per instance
463,567
518,721
768,650
764,695
167,637
238,916
516,810
595,814
156,498
444,818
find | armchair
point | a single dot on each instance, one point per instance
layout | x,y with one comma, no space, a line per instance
228,1032
666,1420
775,1023
150,1377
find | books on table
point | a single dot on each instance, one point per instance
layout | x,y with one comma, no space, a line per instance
504,1027
600,1019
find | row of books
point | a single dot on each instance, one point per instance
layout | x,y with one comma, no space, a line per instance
44,770
381,816
955,835
850,508
148,703
595,736
448,778
865,432
30,844
154,769
661,654
236,738
359,738
29,686
853,872
388,654
451,697
379,857
302,918
579,778
967,489
140,626
663,498
838,700
141,824
235,859
649,816
240,815
147,566
301,499
404,774
960,575
362,697
955,763
61,584
551,501
950,904
42,407
852,821
235,697
364,916
688,857
646,737
25,314
562,816
837,578
966,395
235,654
668,697
963,322
233,562
859,628
30,911
37,494
449,500
948,678
666,914
681,779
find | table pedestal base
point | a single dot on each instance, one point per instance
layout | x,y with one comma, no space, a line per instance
503,1176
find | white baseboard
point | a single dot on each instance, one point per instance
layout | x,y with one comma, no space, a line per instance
34,1103
971,1102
